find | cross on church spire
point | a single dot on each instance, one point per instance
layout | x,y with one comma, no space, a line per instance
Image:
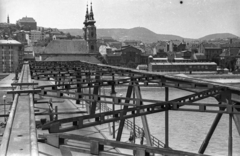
8,19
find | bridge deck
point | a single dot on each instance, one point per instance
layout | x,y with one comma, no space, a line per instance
17,136
66,105
21,123
20,128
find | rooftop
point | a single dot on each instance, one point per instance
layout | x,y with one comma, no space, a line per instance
183,63
87,58
126,41
114,54
60,36
66,47
213,48
106,38
27,19
28,49
9,42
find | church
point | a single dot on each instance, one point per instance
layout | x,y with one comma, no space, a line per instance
73,50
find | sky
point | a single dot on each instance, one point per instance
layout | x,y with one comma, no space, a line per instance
189,19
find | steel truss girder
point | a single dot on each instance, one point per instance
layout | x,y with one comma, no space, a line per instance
84,65
161,80
144,77
147,80
117,100
101,118
120,82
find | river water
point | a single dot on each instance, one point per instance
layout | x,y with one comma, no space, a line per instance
187,130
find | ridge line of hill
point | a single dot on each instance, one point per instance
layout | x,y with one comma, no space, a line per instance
144,34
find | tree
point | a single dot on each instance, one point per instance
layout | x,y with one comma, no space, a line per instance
228,62
216,59
69,36
233,63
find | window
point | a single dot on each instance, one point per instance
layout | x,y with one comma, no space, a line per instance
92,47
92,34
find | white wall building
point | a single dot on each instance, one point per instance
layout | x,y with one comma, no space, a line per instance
36,35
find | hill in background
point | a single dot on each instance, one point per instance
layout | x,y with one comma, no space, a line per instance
219,35
143,34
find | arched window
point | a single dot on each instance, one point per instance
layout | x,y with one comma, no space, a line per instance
92,47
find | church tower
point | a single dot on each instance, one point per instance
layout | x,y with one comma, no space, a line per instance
90,31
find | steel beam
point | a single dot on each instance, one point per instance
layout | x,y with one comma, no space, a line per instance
24,84
100,118
230,142
210,133
95,92
189,98
144,118
166,120
224,97
34,91
148,149
122,121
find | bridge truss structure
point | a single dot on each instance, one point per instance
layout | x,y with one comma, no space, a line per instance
82,82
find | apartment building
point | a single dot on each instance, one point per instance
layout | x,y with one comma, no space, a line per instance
11,52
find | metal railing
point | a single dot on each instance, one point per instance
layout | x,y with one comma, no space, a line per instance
138,130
